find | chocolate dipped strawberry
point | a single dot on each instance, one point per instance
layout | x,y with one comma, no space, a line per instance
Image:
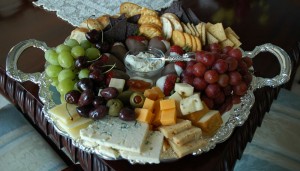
159,43
136,43
166,83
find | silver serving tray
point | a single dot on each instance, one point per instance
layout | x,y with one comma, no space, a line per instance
233,118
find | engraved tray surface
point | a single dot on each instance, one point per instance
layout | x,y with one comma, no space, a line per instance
233,118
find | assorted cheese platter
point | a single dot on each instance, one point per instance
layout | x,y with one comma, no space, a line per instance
147,86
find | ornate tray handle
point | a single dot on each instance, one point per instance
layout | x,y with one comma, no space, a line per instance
284,61
12,59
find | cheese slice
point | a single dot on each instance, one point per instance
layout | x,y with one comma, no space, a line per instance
171,130
151,149
186,136
74,131
187,148
64,112
115,133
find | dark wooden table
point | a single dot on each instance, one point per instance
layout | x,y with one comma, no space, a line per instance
256,22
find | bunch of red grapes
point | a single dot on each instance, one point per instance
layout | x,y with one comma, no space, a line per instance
222,76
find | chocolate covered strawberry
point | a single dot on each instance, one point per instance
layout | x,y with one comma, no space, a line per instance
166,83
136,43
176,50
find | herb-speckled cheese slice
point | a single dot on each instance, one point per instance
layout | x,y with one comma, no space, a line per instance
115,133
151,149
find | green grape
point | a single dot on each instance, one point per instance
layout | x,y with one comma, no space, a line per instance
77,51
53,70
85,44
92,53
62,47
51,57
66,73
65,86
54,81
84,73
71,42
65,59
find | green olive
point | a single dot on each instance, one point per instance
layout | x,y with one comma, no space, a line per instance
125,96
114,105
137,99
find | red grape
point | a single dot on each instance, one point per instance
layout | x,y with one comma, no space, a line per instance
212,90
220,98
236,99
187,79
190,63
240,89
221,66
236,53
226,49
211,76
199,83
208,101
226,106
234,78
215,47
199,55
207,58
232,63
247,78
199,69
227,90
248,61
189,70
223,80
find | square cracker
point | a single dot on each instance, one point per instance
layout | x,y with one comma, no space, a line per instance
217,31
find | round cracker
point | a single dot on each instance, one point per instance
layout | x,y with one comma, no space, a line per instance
188,41
150,30
194,44
150,19
167,27
178,38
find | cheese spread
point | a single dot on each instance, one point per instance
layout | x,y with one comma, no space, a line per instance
143,62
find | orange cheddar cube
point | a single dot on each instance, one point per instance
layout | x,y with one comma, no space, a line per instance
144,115
159,92
151,94
195,116
156,120
167,104
149,104
210,122
168,116
156,108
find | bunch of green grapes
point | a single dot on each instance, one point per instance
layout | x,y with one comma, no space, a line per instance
61,64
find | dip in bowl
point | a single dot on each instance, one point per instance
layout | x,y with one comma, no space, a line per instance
145,64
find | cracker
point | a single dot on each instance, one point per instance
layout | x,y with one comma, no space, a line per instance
147,11
196,31
167,27
198,43
90,24
227,42
228,30
103,20
176,24
203,32
130,9
191,28
185,28
236,41
211,39
194,44
150,19
150,30
178,38
170,15
217,31
188,40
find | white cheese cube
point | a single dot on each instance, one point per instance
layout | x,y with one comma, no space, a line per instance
117,83
184,89
191,104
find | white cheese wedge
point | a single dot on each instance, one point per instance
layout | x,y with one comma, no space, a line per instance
115,133
151,149
74,132
108,151
184,89
64,112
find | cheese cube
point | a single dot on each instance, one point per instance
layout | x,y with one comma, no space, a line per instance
210,122
184,89
117,83
186,136
156,120
168,116
167,104
177,99
149,104
195,116
191,104
159,92
156,108
171,130
144,115
151,94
